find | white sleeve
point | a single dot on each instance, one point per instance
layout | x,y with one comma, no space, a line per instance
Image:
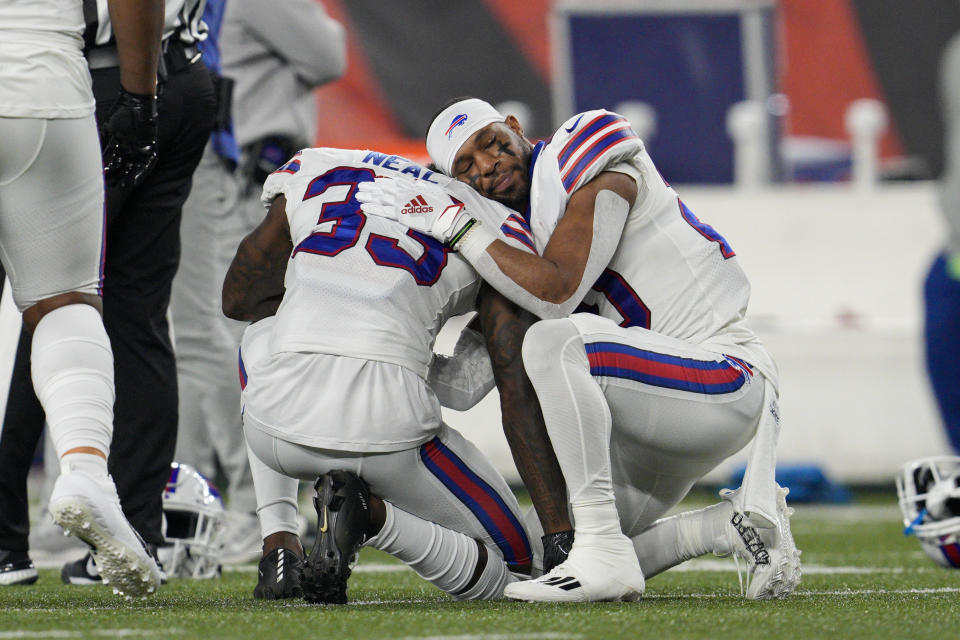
303,166
589,143
276,182
610,214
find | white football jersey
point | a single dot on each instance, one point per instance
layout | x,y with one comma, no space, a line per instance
42,70
671,273
364,286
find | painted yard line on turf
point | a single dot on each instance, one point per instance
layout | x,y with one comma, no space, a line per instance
716,564
810,594
107,633
361,603
502,636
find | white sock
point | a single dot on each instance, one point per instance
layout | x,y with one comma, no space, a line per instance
670,541
72,371
443,557
577,418
598,518
493,579
88,463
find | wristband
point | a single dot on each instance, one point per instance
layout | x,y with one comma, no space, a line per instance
461,233
145,103
473,244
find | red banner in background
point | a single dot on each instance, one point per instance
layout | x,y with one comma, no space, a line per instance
352,112
829,58
825,68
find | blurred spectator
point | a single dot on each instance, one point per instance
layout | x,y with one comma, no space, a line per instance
275,55
942,286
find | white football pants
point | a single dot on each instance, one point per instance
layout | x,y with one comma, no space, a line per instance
446,480
51,207
636,414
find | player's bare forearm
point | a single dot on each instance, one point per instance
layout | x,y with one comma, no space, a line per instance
557,274
504,325
253,287
138,26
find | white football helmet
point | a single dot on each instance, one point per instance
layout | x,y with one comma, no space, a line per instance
194,525
929,493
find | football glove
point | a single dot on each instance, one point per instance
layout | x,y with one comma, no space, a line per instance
416,205
556,548
129,139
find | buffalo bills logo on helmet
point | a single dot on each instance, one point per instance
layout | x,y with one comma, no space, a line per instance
457,121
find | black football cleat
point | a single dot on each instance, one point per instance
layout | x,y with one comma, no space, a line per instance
81,571
280,572
16,568
343,515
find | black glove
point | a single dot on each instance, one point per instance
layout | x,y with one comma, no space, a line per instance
129,138
556,548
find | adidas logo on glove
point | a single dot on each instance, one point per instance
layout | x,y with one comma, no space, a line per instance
417,205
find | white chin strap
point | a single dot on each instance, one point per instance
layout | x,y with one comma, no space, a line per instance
454,126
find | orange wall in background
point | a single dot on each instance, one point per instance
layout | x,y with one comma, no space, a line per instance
352,112
825,67
527,23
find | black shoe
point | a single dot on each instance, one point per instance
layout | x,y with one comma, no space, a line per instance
16,567
152,550
556,548
343,514
82,571
280,572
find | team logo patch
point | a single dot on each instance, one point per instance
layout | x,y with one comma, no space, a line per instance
574,125
456,122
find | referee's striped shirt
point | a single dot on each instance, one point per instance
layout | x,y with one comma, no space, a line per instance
182,17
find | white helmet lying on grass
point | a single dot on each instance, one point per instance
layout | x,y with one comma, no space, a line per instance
194,525
929,494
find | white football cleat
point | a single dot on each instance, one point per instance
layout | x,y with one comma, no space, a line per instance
599,568
89,510
772,557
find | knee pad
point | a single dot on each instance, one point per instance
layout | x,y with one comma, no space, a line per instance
545,345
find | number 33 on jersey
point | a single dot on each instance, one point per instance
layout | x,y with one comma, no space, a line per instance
341,256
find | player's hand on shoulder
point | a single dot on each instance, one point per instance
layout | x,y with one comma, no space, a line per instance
378,197
415,204
129,139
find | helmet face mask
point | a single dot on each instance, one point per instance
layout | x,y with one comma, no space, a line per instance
929,494
194,524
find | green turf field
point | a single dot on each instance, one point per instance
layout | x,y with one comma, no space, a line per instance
862,579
